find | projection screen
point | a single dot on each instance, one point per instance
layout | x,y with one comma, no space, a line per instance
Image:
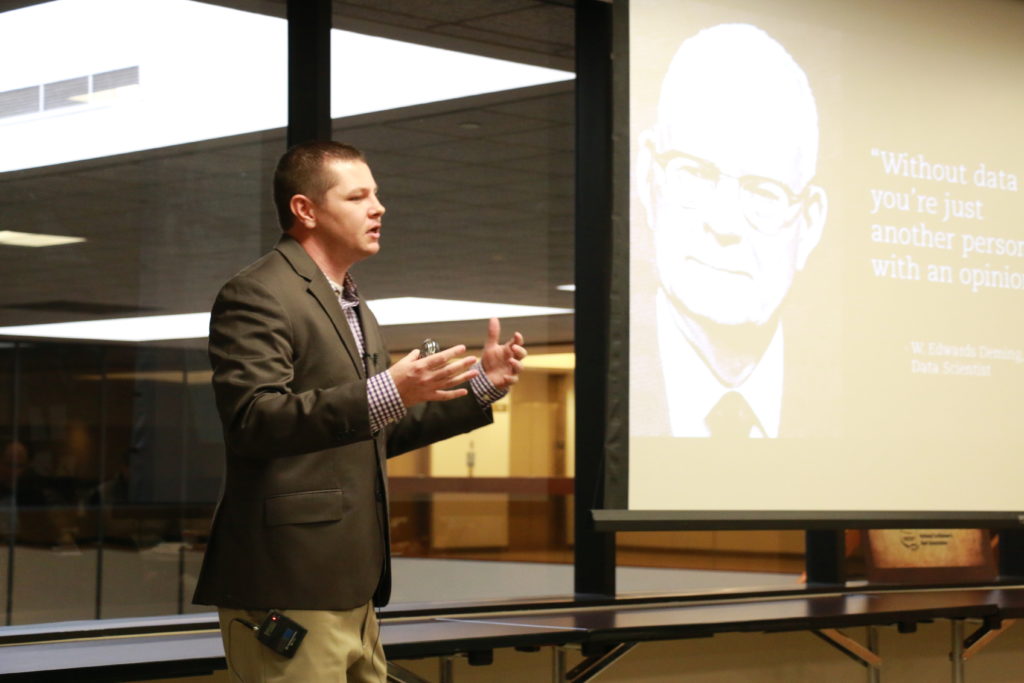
826,267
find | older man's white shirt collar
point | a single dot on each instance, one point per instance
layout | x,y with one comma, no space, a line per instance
692,390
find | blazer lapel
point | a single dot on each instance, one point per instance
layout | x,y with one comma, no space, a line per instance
320,289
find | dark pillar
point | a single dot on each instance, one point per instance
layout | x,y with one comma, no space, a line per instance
594,551
1011,554
826,555
309,70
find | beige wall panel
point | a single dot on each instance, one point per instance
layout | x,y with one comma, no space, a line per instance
489,447
533,435
469,520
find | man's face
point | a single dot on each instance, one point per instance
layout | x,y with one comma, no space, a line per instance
727,228
348,216
729,165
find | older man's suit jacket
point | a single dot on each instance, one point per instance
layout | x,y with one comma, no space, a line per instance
302,520
811,398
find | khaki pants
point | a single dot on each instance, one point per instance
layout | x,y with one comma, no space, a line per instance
340,647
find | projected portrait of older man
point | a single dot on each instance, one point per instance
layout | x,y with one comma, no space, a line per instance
725,181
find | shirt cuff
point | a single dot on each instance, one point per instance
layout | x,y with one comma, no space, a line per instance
483,389
385,404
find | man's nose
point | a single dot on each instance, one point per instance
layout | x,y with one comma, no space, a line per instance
723,214
377,208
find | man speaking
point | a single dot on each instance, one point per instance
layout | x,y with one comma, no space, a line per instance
310,410
725,181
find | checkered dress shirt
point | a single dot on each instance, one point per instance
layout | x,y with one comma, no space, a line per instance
382,394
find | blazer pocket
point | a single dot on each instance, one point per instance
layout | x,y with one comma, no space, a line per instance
307,507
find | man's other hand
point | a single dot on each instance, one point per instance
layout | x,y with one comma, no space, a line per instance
502,362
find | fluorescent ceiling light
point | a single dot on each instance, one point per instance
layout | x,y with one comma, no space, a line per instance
566,288
408,310
144,329
204,72
399,311
107,97
407,74
35,239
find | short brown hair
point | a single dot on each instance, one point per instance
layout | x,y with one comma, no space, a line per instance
302,170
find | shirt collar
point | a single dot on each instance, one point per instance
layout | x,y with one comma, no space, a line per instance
347,292
692,390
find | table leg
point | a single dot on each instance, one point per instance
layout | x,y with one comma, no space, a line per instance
956,650
558,664
446,674
874,672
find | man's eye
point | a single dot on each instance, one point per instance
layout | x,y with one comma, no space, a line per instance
765,190
699,171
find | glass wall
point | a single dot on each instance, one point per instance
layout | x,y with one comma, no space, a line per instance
479,191
11,463
135,180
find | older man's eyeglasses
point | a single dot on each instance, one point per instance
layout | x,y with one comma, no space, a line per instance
767,204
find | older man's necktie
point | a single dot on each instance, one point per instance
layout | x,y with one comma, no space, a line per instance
731,417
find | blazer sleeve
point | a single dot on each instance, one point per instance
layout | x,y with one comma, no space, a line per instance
433,421
253,350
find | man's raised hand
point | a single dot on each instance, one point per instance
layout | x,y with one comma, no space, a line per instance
432,378
502,362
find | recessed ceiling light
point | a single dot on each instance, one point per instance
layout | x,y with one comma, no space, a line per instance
35,239
109,96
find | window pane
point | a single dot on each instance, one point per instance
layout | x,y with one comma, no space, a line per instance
151,190
137,76
478,186
11,458
60,427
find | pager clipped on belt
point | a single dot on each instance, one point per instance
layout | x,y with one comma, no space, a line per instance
281,634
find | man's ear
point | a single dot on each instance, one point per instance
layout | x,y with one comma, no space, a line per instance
644,174
815,212
304,210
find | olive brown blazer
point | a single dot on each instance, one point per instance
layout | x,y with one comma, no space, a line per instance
302,521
